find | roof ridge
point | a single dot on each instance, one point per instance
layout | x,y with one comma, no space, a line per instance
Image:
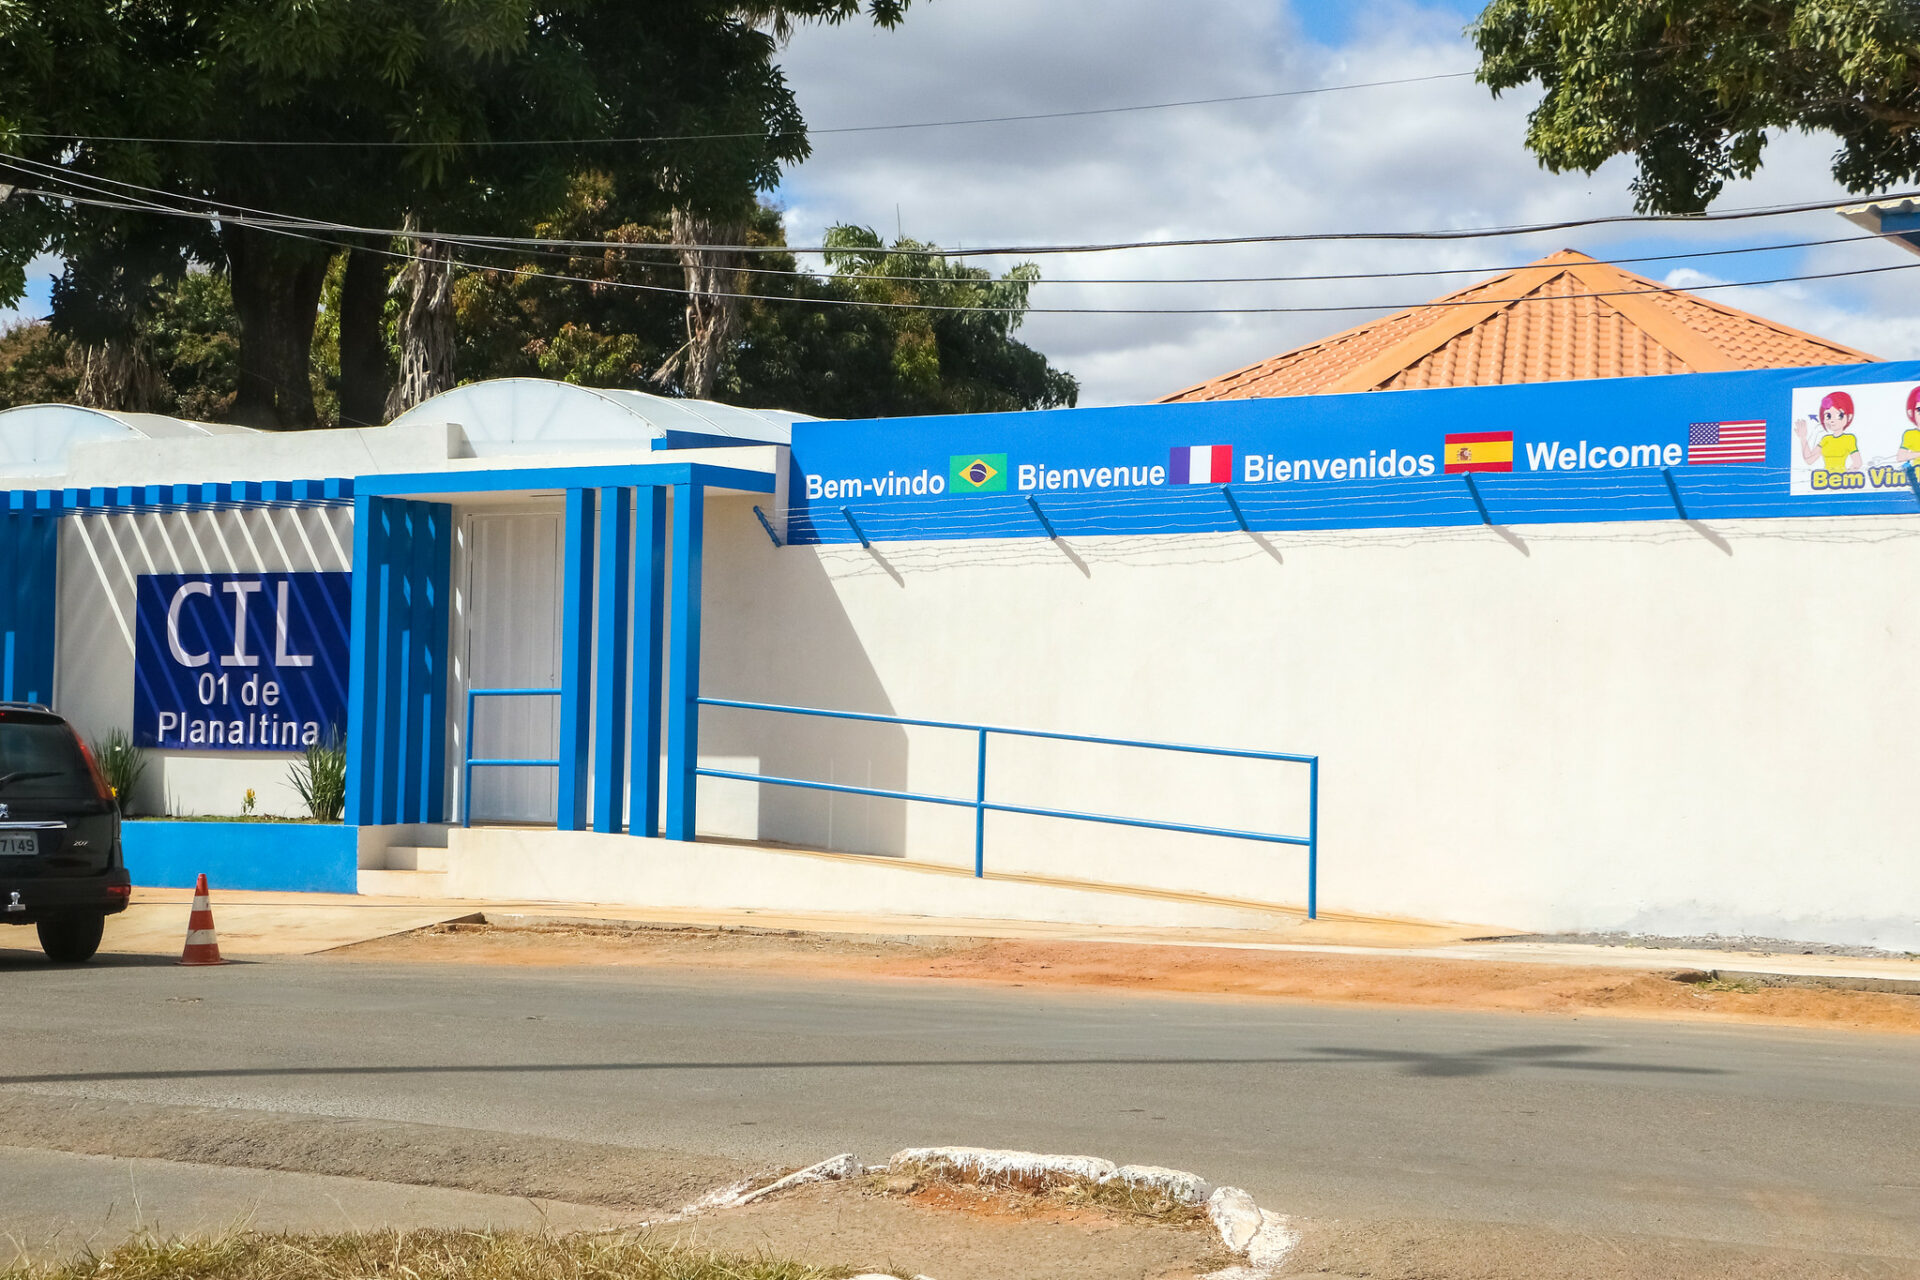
1378,322
1410,336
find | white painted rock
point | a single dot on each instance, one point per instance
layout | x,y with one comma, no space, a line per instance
834,1170
1235,1216
1176,1184
1025,1169
1263,1239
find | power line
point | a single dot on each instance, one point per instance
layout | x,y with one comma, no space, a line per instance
1011,310
538,247
1333,277
269,220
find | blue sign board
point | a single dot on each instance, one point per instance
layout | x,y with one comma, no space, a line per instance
1826,441
240,661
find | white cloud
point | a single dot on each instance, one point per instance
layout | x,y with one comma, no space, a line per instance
1436,154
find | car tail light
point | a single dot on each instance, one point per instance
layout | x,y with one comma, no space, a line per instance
100,787
120,890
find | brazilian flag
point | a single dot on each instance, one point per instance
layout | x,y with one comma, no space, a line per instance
978,472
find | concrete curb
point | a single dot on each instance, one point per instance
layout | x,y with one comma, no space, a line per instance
1249,1232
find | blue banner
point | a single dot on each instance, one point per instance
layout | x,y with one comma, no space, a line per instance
241,661
1835,440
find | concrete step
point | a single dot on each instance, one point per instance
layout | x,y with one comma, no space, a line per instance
402,883
410,857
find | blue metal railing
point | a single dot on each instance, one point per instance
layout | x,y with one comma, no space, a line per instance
469,763
982,806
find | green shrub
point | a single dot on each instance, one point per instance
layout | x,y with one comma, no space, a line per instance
321,778
121,764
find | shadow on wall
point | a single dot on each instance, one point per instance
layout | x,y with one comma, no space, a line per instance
794,645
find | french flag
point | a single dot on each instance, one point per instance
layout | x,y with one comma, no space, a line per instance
1200,464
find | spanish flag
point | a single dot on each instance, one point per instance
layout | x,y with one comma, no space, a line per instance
1479,451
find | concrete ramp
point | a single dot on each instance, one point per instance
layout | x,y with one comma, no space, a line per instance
537,865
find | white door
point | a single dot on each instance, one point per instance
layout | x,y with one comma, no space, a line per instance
514,564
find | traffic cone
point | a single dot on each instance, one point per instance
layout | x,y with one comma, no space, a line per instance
202,946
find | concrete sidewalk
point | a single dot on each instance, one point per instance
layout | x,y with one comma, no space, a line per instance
263,924
54,1204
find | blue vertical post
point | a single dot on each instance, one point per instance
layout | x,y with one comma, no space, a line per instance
980,810
435,643
576,660
1313,839
363,757
649,653
610,685
389,659
412,570
683,661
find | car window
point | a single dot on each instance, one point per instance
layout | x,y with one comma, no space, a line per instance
40,760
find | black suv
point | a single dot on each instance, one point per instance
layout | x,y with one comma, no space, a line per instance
60,864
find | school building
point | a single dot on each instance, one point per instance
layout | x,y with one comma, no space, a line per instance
1565,602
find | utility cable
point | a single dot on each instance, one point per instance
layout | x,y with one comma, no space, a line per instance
267,220
1014,310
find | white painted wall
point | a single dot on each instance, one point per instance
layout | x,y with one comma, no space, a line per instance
100,558
1652,727
1657,727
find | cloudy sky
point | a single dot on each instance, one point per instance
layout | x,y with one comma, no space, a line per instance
1442,153
1433,154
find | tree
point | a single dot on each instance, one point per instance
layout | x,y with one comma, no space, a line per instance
473,117
870,338
184,345
1691,89
934,337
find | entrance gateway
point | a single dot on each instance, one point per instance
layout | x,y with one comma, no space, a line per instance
604,659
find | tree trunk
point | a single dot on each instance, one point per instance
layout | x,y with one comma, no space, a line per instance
276,294
427,334
713,320
366,376
117,375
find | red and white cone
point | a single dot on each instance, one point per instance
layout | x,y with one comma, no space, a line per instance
202,946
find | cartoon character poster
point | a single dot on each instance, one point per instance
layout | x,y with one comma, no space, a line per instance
1856,439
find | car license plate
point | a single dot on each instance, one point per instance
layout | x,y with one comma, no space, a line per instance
19,844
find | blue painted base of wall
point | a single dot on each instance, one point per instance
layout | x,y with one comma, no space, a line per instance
295,857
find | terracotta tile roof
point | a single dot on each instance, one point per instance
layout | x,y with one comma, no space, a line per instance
1540,323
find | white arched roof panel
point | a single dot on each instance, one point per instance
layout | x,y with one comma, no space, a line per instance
35,439
536,415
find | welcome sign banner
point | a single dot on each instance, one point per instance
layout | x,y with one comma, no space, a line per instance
1706,446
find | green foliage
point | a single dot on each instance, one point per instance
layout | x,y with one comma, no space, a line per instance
819,356
803,350
37,365
121,764
186,338
320,779
1692,90
193,342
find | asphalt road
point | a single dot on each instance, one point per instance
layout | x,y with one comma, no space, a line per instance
1777,1138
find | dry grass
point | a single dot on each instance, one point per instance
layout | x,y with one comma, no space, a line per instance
1139,1204
923,1185
415,1255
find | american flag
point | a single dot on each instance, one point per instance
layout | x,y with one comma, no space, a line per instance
1709,442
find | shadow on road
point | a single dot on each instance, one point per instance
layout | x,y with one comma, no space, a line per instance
1482,1062
1477,1062
13,960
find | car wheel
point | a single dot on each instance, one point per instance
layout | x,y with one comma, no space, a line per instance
71,939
